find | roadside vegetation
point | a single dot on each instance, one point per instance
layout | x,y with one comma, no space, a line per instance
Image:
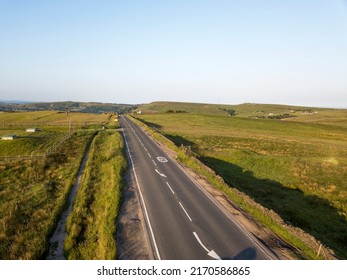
91,226
296,169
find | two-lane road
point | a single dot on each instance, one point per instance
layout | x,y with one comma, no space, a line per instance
183,221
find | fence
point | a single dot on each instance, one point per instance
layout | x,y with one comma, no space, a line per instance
56,145
12,158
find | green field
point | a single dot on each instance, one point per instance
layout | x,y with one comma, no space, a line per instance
53,127
32,196
296,168
91,226
30,143
33,193
52,117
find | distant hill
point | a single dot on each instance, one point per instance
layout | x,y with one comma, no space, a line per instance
84,107
243,110
337,117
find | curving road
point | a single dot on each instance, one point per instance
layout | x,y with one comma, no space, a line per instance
183,221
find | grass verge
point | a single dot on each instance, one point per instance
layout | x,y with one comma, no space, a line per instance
91,226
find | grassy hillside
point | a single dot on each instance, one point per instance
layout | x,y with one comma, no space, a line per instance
297,169
337,117
194,108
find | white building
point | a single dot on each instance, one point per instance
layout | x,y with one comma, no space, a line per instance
34,129
9,137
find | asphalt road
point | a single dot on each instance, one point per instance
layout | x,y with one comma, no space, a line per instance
183,221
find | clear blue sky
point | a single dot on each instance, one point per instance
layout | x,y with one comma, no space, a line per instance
216,51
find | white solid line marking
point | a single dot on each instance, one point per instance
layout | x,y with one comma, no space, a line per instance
154,162
170,188
190,219
162,175
145,148
142,199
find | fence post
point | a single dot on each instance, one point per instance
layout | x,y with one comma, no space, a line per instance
320,248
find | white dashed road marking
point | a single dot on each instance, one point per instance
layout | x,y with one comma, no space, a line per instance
190,219
170,188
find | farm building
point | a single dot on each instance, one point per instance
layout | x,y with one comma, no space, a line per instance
34,129
9,137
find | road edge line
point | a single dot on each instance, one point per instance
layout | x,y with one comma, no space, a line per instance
142,199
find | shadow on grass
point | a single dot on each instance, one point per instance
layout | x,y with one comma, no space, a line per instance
311,213
153,125
178,140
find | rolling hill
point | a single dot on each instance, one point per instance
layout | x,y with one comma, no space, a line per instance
336,117
83,107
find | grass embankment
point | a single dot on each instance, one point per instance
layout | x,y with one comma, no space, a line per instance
296,169
32,197
91,226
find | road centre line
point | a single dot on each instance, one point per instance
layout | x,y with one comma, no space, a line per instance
185,211
170,188
154,163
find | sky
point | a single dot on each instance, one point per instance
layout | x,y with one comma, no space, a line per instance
207,51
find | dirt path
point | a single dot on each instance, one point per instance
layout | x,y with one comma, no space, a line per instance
56,248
